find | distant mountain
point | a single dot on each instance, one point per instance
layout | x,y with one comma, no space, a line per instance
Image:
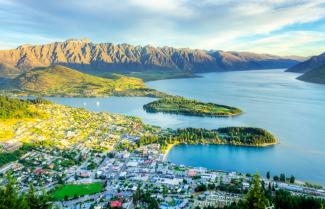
63,81
248,60
310,64
316,75
106,57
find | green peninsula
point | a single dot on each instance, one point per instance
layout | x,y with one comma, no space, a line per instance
244,136
183,106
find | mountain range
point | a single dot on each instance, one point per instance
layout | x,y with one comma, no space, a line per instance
122,58
313,69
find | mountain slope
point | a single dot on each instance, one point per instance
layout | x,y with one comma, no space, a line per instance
248,60
63,81
106,57
310,64
8,71
315,76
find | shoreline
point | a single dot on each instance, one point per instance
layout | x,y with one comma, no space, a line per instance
194,114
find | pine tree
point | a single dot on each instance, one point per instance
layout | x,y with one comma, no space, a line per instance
255,198
23,202
268,175
8,196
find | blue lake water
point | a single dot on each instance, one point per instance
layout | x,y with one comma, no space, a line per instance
272,99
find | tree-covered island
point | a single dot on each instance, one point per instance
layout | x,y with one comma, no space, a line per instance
183,106
245,136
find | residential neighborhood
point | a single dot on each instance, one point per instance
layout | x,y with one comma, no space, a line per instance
90,160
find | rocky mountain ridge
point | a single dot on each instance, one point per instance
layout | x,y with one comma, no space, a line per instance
84,55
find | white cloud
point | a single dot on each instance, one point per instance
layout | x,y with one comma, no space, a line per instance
257,18
209,24
177,8
295,42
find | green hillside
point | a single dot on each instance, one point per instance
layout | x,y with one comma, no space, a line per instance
315,76
63,81
11,108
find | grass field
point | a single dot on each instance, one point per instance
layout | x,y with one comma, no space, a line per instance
76,190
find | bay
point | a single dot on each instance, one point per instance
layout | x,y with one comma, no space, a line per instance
294,111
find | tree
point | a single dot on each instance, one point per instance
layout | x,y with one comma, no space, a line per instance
282,177
200,188
276,178
292,179
137,195
268,175
255,198
8,195
60,180
37,201
9,198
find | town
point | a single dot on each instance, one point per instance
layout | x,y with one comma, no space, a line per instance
112,178
93,160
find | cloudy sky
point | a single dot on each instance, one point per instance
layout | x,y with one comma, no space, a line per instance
283,27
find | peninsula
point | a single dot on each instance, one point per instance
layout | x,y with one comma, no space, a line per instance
243,136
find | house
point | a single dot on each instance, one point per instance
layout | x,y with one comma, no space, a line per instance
116,204
84,174
191,172
39,171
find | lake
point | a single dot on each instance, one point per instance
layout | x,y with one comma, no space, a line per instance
292,110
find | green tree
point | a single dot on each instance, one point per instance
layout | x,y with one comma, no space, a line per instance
255,198
282,177
276,178
268,175
10,199
292,179
8,195
37,201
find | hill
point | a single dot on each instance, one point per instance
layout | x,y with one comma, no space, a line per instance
310,64
314,76
63,81
11,108
100,58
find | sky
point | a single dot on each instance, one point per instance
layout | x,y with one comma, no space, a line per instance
281,27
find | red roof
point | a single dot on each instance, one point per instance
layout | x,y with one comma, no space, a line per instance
116,204
191,172
84,174
39,171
